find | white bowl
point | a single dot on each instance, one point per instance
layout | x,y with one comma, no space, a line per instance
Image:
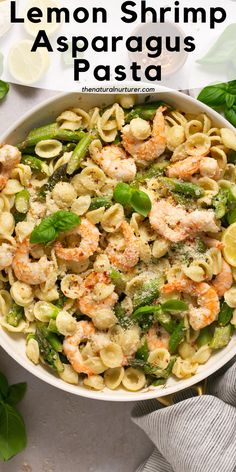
14,344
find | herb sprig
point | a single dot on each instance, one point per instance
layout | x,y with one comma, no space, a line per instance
221,97
13,437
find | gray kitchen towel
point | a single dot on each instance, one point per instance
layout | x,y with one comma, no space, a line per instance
196,434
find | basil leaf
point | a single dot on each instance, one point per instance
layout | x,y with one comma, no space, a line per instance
50,227
230,115
4,89
3,386
65,220
141,202
12,432
122,193
229,100
223,48
174,305
213,96
44,232
16,393
231,88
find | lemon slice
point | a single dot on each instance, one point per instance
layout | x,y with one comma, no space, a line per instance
5,22
229,241
49,28
25,66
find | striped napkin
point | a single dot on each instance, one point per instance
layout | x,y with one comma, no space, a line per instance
196,434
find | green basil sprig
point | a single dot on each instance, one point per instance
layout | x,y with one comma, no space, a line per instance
50,227
4,89
222,97
137,199
13,437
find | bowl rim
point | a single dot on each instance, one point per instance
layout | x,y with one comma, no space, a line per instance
151,392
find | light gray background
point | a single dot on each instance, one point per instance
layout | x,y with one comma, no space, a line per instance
67,433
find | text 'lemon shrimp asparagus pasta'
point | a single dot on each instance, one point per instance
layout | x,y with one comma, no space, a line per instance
118,243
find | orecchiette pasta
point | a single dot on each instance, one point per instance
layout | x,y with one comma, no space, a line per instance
69,375
115,231
48,148
32,350
112,355
95,382
65,323
184,368
114,377
22,293
112,218
159,357
133,379
64,194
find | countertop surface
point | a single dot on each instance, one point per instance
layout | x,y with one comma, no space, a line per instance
67,433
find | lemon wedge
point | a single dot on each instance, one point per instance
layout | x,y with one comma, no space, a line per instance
25,66
49,28
229,241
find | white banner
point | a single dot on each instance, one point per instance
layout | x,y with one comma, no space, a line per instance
179,44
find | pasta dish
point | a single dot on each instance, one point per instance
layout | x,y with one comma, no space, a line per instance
118,243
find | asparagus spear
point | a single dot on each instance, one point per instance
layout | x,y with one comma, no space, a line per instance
51,131
176,337
155,170
58,176
15,315
35,164
98,202
184,188
142,353
79,153
22,201
204,337
146,111
47,350
221,337
225,315
147,294
220,202
122,318
152,370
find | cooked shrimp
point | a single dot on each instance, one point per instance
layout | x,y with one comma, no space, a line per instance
32,273
10,157
6,255
199,221
167,220
157,337
152,148
175,224
115,163
84,331
129,257
210,242
88,303
223,280
207,301
186,168
89,243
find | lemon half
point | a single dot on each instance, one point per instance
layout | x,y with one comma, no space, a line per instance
25,66
229,241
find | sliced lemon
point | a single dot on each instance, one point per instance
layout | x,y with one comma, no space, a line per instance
49,28
25,66
5,21
229,241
